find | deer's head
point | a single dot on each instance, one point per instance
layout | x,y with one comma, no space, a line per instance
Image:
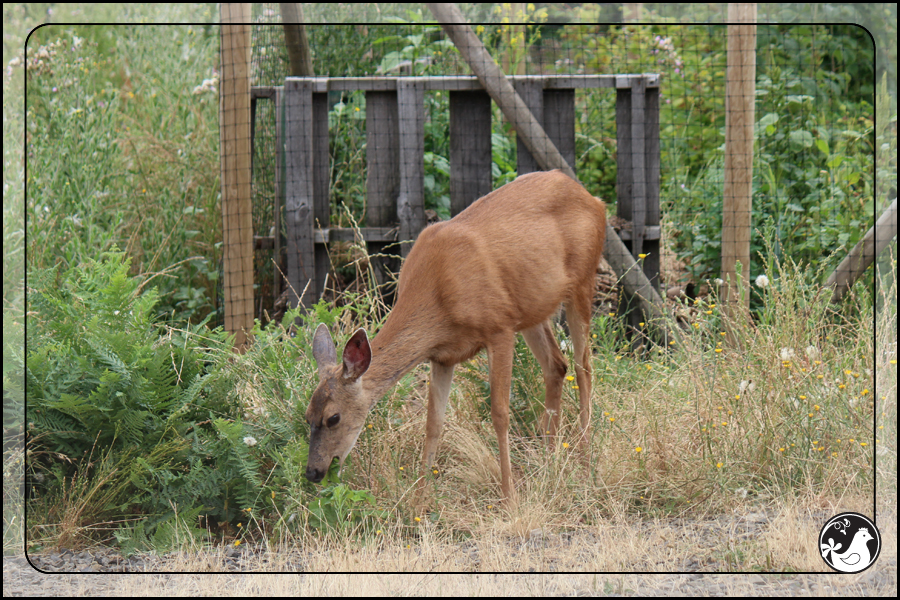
338,408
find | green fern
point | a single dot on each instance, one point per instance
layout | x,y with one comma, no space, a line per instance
102,372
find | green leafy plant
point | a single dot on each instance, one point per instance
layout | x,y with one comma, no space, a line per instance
340,509
96,370
173,532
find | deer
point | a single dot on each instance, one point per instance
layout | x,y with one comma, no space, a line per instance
502,266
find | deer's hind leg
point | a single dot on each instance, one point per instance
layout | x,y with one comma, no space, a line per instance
578,311
542,342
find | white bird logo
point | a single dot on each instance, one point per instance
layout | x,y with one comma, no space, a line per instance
854,558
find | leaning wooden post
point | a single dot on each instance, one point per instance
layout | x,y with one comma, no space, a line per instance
546,154
740,86
295,40
864,253
234,131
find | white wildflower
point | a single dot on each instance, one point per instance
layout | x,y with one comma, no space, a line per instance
812,353
250,440
747,386
208,85
786,354
762,281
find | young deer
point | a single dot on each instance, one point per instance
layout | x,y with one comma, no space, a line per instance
501,266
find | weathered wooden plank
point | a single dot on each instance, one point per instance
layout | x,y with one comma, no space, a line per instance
368,84
470,148
263,91
278,93
299,194
321,180
652,262
637,158
411,201
328,235
382,158
531,91
628,303
348,234
464,83
568,82
382,173
253,100
624,172
651,232
559,121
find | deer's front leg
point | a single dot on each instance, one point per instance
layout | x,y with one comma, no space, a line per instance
438,394
500,356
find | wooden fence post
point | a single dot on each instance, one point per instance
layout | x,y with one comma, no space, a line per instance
740,98
299,190
237,212
411,124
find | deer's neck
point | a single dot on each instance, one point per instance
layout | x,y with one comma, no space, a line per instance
402,343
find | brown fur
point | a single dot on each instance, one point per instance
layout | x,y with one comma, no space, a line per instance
502,266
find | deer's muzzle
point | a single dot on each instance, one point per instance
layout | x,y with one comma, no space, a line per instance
315,475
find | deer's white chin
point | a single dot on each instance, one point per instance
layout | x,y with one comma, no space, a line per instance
343,456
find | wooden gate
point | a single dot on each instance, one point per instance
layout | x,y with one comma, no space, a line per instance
395,119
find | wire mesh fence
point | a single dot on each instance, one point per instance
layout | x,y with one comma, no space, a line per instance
810,185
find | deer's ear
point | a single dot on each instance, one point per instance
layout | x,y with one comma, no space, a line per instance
323,349
357,355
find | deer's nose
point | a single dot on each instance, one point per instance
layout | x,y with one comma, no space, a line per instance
315,475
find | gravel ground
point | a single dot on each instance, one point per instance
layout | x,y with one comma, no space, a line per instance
20,579
71,573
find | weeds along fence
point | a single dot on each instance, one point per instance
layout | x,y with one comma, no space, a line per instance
382,124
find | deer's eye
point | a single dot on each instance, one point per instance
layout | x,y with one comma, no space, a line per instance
333,420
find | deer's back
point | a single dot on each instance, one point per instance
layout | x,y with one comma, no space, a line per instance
510,257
